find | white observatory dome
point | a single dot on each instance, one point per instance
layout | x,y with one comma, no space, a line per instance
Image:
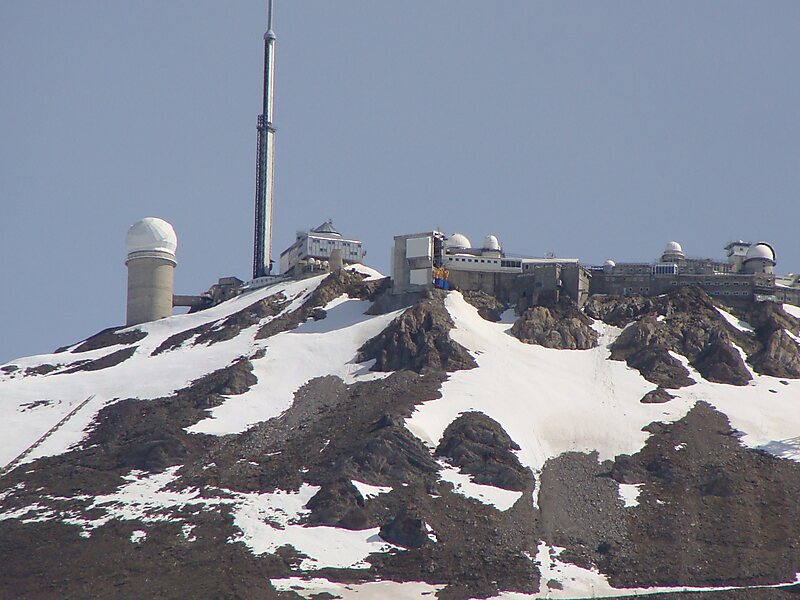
610,263
673,248
458,241
152,234
760,250
490,242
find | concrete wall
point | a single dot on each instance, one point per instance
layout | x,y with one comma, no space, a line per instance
730,288
540,284
150,285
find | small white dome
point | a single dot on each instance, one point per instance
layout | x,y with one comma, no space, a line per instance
673,248
151,234
458,240
609,263
490,243
760,250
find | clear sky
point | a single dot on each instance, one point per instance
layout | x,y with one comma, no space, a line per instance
589,129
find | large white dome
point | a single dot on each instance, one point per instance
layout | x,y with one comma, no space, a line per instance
673,248
490,242
760,250
458,240
152,234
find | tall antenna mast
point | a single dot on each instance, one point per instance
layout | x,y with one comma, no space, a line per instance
265,160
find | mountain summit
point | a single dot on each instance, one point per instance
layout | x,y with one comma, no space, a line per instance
316,439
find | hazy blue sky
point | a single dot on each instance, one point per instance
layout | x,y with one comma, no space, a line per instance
589,129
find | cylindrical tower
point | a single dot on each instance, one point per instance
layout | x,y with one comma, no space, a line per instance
151,269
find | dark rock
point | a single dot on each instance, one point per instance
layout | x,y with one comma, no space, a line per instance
656,396
156,452
108,337
687,323
620,311
418,340
711,512
406,530
720,362
331,287
481,448
489,307
561,326
40,369
779,357
104,362
318,314
640,347
388,454
339,504
176,340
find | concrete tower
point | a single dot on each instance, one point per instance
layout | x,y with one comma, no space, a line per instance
151,268
265,161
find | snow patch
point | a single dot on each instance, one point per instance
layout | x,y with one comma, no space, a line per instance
487,494
577,582
270,521
629,493
266,521
315,349
368,491
736,322
792,310
373,590
138,536
549,401
186,531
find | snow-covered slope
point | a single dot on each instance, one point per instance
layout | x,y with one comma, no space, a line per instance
260,428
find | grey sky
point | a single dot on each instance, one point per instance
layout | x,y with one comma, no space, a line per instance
588,129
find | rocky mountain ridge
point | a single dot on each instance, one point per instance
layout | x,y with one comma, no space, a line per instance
301,442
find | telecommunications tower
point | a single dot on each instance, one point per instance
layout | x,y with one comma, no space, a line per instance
265,161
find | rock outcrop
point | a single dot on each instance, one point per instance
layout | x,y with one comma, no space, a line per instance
489,307
779,355
481,448
686,323
418,340
561,326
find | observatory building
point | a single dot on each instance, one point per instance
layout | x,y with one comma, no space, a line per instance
419,260
151,245
746,276
313,251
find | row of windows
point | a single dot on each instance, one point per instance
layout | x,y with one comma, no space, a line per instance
336,243
727,293
744,283
476,260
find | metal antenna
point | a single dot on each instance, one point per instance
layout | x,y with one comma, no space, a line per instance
265,160
269,16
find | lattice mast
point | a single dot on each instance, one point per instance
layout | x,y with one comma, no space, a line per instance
265,160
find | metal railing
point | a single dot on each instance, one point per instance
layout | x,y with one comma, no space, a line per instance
14,463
